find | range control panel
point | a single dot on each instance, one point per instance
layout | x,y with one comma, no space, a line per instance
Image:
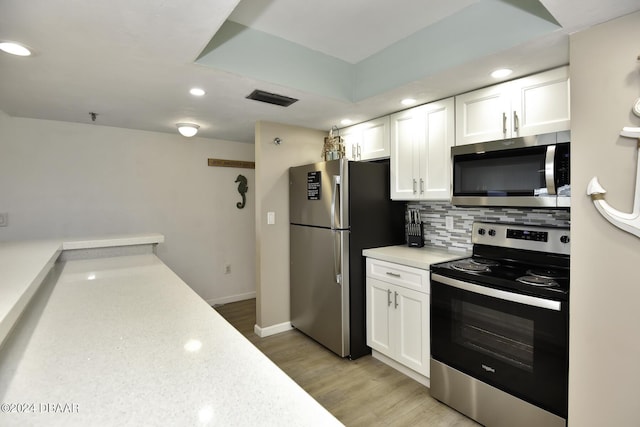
529,237
538,236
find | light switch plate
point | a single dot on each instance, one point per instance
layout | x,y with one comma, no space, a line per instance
271,218
448,220
4,219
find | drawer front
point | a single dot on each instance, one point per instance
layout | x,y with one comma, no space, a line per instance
398,274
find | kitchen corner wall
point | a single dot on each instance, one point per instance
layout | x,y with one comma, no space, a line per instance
604,347
459,238
61,179
298,146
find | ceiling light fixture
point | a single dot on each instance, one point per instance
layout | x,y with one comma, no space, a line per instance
408,101
14,49
500,73
196,91
188,129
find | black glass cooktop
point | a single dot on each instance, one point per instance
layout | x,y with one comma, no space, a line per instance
530,279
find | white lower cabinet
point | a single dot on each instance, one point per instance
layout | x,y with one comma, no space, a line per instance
398,313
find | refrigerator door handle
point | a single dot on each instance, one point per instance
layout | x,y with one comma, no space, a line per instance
337,256
335,203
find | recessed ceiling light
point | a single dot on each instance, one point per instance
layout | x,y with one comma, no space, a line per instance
188,129
500,73
346,122
196,91
14,49
408,101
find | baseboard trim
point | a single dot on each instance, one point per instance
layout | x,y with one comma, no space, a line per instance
232,298
272,330
400,367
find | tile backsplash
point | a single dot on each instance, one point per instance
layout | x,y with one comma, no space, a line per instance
434,215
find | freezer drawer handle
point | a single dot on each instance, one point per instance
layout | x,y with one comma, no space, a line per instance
337,256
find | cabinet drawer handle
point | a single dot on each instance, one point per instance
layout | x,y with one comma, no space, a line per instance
388,273
388,297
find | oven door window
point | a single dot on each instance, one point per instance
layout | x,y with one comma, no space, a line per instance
503,336
515,347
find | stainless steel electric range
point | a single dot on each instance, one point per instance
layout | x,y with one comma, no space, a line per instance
500,327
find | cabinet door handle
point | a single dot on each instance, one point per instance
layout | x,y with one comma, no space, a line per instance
414,186
504,123
388,297
421,186
395,300
388,273
516,122
353,152
359,152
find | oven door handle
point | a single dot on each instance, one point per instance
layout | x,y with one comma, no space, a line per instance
497,293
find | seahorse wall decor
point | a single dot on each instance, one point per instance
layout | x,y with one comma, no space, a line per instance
242,189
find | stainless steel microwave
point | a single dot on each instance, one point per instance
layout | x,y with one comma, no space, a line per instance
529,171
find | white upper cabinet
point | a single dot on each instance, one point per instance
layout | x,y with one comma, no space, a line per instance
421,141
528,106
368,140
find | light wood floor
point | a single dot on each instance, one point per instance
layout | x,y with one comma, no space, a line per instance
361,392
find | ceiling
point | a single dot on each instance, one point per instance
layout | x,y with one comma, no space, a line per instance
133,63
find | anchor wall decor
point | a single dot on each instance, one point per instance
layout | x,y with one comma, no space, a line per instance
629,222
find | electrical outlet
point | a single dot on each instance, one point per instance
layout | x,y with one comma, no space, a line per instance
4,219
448,221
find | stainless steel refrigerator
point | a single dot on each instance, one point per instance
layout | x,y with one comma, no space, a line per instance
336,209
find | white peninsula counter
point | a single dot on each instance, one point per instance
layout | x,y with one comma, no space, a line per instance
123,341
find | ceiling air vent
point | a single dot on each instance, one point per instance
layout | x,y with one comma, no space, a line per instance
271,98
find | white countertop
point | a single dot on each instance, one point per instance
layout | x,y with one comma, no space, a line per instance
123,341
24,264
413,257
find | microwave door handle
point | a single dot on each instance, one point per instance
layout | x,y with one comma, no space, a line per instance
549,169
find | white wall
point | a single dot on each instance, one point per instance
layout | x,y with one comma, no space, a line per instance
299,146
604,368
62,179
